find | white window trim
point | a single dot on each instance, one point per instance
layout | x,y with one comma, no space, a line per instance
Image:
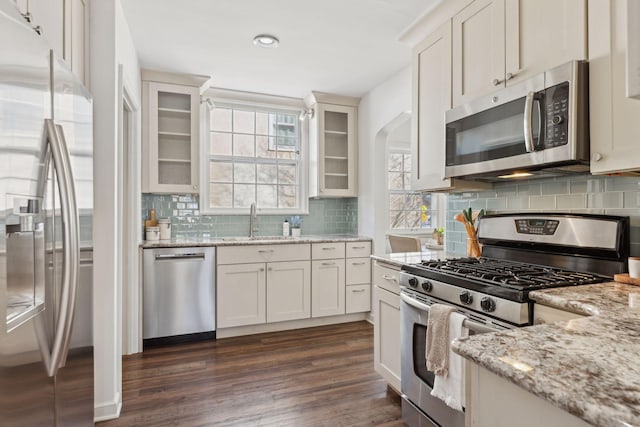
240,99
438,201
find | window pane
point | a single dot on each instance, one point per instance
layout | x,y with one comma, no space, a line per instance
407,181
413,219
243,121
243,145
267,174
262,148
287,155
221,172
395,181
244,173
221,119
395,162
243,195
220,195
287,174
413,201
407,162
396,202
286,196
262,123
220,144
267,196
397,219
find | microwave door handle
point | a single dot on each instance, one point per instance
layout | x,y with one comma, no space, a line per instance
528,130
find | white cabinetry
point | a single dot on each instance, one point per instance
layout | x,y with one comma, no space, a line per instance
358,277
327,279
431,98
332,145
172,138
499,42
614,124
64,25
386,329
272,284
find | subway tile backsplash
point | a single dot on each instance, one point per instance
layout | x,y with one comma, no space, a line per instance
326,216
579,193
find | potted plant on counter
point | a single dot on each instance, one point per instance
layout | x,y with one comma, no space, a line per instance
438,235
295,222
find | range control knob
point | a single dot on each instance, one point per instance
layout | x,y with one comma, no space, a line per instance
488,304
413,282
427,286
466,298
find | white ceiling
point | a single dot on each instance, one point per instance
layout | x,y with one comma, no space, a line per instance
337,46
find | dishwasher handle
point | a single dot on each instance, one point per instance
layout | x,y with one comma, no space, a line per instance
172,257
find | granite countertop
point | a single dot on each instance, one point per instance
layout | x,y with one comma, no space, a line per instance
586,366
400,258
241,240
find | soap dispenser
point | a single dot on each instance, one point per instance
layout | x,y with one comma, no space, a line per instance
285,228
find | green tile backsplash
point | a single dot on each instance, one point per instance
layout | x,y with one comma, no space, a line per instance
326,216
579,193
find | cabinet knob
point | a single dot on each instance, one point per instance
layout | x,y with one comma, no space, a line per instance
596,157
270,269
27,17
497,82
509,76
195,187
262,269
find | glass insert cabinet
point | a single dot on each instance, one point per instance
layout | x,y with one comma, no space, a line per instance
332,142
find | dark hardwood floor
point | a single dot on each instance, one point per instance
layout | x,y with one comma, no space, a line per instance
310,377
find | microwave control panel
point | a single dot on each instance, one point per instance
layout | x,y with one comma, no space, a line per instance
545,227
557,111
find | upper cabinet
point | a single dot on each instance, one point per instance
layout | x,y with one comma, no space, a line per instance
171,133
63,24
332,145
500,42
431,98
614,125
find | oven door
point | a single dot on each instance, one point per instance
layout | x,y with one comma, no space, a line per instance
419,408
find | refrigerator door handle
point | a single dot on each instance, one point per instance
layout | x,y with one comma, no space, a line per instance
71,241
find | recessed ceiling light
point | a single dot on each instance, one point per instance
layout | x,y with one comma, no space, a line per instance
266,40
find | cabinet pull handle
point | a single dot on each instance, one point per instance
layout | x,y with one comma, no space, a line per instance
358,263
328,263
332,248
270,269
509,76
357,290
262,269
393,279
263,251
497,82
358,247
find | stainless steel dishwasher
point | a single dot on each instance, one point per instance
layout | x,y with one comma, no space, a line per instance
179,293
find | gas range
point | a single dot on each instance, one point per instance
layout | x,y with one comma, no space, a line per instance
521,253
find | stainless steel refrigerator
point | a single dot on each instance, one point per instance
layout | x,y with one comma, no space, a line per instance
46,203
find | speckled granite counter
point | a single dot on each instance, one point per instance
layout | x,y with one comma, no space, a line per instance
588,366
400,258
260,240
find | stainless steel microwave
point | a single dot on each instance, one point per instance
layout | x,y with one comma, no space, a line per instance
538,126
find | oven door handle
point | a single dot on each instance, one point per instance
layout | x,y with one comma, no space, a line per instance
473,326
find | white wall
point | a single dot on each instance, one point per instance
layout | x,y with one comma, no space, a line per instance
110,45
382,105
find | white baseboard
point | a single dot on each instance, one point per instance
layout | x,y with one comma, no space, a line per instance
107,410
285,326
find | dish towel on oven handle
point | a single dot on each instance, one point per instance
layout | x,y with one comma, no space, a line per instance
451,388
437,348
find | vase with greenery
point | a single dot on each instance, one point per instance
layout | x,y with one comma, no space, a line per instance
295,222
469,219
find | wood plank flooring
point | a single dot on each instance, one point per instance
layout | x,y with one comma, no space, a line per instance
310,377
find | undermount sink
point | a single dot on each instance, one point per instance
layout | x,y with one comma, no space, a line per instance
249,239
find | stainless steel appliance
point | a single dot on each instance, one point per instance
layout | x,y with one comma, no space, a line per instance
538,126
179,294
46,205
520,253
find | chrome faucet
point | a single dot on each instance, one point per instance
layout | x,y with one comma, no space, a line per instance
253,219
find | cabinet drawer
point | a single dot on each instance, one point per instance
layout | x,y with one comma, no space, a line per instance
386,277
263,253
358,249
358,271
327,250
358,298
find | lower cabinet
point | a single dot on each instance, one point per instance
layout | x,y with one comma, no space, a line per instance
288,291
386,329
241,294
328,290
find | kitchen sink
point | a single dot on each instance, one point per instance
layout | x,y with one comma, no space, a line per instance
256,238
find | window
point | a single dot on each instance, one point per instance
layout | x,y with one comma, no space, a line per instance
407,209
254,155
